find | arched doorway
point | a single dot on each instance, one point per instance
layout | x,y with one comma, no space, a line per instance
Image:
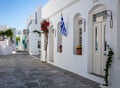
98,19
51,44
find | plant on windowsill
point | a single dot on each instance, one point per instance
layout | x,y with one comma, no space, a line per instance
60,48
79,50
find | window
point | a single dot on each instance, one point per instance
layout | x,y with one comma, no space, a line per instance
96,39
105,40
59,39
77,32
39,44
100,16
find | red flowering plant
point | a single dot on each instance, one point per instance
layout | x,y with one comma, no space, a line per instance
45,30
44,26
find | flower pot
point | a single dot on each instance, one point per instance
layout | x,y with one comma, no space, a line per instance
78,51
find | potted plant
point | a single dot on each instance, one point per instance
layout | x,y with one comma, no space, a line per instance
79,50
60,48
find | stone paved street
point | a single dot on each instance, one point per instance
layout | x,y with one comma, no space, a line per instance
24,71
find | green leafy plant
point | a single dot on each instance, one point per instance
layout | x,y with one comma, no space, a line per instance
17,40
108,65
8,33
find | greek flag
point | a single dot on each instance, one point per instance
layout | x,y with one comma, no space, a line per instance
63,29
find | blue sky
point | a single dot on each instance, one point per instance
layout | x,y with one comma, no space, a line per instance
15,12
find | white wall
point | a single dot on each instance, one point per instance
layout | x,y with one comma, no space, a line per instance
66,59
34,37
33,40
55,6
116,69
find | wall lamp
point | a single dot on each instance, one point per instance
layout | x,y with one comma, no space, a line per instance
109,14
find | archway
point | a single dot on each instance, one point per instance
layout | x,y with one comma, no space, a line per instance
97,38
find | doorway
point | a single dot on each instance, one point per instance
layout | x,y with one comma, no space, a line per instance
99,43
51,46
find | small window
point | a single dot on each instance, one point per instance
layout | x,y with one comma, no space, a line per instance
80,36
77,36
99,15
59,39
39,44
105,41
96,39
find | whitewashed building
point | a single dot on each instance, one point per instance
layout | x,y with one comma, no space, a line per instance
93,24
26,39
19,45
7,45
34,38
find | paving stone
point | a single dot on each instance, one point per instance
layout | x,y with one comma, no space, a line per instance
24,71
31,84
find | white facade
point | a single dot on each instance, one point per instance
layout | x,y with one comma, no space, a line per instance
34,38
7,45
19,34
92,38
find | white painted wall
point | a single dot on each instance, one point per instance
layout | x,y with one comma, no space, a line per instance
116,70
74,63
33,40
20,47
34,37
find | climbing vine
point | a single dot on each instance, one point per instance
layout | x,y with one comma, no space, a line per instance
108,65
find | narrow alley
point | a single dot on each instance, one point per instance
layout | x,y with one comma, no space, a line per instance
25,71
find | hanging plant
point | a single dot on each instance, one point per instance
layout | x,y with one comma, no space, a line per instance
108,65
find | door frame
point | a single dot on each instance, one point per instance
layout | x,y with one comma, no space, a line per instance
101,51
96,9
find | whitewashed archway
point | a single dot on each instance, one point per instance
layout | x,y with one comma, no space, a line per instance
77,31
96,40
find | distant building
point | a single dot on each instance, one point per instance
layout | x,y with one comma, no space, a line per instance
19,45
34,41
26,39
